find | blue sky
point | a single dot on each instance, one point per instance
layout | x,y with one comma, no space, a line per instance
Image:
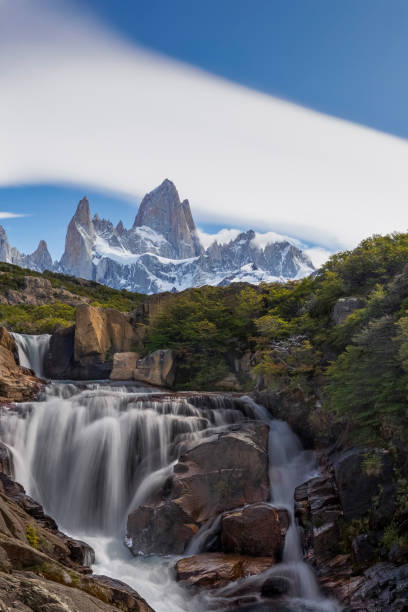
343,58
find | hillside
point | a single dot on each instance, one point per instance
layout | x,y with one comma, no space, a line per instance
339,338
326,354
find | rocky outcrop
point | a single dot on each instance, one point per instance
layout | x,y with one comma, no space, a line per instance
59,363
43,569
124,365
319,513
158,368
216,570
344,307
77,257
39,260
222,472
162,211
99,333
362,476
86,350
16,383
258,530
36,291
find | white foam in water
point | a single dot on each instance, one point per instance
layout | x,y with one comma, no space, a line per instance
91,452
32,351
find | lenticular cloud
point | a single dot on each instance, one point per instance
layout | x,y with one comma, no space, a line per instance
80,105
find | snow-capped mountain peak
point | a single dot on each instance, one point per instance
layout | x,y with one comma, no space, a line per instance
162,251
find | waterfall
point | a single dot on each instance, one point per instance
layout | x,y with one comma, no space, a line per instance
91,452
32,351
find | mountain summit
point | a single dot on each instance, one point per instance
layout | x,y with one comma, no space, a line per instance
162,211
162,250
39,260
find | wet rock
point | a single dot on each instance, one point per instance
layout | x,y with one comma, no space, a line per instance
123,366
215,570
275,586
383,587
318,510
59,361
80,552
158,368
362,476
258,530
222,472
6,460
44,567
345,307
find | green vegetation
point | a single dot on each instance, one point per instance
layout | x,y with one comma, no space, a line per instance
29,318
31,535
357,369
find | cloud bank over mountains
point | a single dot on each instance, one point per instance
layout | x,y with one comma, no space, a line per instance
80,105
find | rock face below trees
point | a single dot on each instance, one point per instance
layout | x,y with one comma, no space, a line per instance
363,474
17,384
223,472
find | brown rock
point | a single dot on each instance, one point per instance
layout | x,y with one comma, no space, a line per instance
257,530
16,383
214,570
123,366
45,567
6,460
157,369
99,333
222,472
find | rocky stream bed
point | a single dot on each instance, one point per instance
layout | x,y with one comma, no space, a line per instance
186,502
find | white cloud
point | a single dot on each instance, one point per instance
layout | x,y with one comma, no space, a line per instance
318,255
81,106
262,240
10,215
222,237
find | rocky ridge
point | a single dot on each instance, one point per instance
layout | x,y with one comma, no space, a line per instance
161,251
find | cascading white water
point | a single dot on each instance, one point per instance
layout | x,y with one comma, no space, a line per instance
32,351
87,455
90,453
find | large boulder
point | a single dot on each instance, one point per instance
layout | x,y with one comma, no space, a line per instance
215,570
158,368
17,384
100,331
86,350
365,475
257,530
222,472
123,366
59,360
